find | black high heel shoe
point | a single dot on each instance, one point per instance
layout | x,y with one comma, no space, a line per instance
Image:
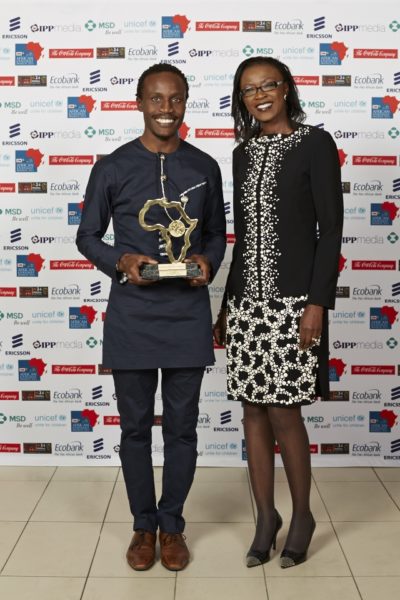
290,558
254,558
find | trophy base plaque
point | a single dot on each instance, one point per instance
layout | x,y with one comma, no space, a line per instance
171,270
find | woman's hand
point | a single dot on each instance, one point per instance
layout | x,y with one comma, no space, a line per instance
219,329
310,326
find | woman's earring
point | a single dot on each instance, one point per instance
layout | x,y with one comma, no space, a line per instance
285,96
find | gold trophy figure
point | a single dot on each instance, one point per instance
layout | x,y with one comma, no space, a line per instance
175,229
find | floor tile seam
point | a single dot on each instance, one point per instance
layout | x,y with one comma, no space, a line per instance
27,521
337,538
345,557
397,505
42,577
28,480
98,539
14,546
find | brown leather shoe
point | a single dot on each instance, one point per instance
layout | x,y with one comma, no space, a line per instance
141,553
174,552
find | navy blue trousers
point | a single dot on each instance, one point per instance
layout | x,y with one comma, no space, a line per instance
180,391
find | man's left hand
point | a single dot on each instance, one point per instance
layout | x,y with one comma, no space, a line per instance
205,267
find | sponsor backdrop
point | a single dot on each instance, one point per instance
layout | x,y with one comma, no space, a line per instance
68,76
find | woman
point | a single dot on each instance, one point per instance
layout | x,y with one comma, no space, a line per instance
288,223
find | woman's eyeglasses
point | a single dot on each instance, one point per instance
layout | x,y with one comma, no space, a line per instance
252,90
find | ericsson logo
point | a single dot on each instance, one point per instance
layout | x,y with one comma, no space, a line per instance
395,446
224,102
97,392
319,23
396,289
173,48
98,445
95,288
15,24
396,185
226,417
15,130
17,340
396,78
15,236
94,77
395,393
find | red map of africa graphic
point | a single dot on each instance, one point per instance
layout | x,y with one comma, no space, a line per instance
389,312
38,364
342,157
390,208
35,48
338,365
182,21
342,263
35,155
392,103
389,416
37,261
340,49
88,101
89,312
91,416
183,131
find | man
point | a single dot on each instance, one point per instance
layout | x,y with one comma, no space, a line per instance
156,325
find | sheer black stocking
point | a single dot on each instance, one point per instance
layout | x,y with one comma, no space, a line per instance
291,435
260,444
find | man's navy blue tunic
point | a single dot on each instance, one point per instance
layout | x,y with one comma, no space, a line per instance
167,324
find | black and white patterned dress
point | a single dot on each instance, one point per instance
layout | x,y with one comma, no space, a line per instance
285,188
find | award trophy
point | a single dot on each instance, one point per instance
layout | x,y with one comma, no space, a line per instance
175,229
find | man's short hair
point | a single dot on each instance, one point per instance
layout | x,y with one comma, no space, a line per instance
160,68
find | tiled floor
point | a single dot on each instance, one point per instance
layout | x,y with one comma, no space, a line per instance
64,532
